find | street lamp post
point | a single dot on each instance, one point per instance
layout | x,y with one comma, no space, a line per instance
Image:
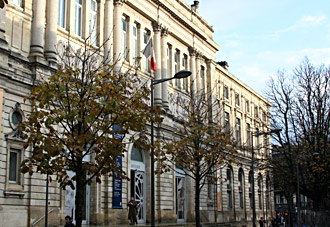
257,134
179,75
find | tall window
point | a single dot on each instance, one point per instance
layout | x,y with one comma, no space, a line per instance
61,13
226,92
203,85
229,188
78,17
256,114
93,22
185,66
260,191
176,66
124,37
227,121
237,101
248,134
258,140
250,190
135,43
168,61
241,188
264,116
14,165
238,131
147,63
247,106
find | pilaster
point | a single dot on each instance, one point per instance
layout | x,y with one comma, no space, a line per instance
117,14
38,28
51,30
193,81
108,30
158,87
164,34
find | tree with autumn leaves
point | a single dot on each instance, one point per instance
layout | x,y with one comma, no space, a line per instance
74,111
199,146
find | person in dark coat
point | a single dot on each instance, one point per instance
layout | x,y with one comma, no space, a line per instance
261,222
132,204
68,222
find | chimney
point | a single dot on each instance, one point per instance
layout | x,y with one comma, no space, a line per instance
224,64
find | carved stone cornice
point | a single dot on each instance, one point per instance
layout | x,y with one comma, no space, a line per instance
118,2
192,51
156,26
164,31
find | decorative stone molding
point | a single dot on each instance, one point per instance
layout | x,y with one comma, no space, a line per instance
156,26
164,31
119,2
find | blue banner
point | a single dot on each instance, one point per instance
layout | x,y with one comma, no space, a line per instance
117,183
117,187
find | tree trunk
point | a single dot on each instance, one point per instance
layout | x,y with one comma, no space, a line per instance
79,193
197,202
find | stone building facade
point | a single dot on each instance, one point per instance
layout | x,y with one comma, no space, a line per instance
30,31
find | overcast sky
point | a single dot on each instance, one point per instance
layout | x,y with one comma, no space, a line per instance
259,37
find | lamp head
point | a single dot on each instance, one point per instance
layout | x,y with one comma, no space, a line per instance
182,74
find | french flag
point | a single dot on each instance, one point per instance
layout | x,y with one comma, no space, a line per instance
149,51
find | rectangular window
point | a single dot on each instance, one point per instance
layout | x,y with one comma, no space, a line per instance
278,199
185,66
229,189
240,190
135,43
248,134
247,106
227,122
256,114
93,22
78,17
14,165
147,63
124,37
177,66
258,141
61,13
226,92
238,131
203,85
168,60
237,100
209,188
264,116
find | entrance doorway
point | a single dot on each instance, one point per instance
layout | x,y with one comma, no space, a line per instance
180,195
138,187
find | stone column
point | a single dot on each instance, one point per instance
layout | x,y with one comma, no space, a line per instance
51,30
117,15
193,87
38,28
108,30
156,44
164,33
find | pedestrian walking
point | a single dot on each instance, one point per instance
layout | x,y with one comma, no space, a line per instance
68,222
132,204
261,222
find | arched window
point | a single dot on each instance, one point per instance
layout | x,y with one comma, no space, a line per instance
241,188
136,154
229,188
260,191
250,190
